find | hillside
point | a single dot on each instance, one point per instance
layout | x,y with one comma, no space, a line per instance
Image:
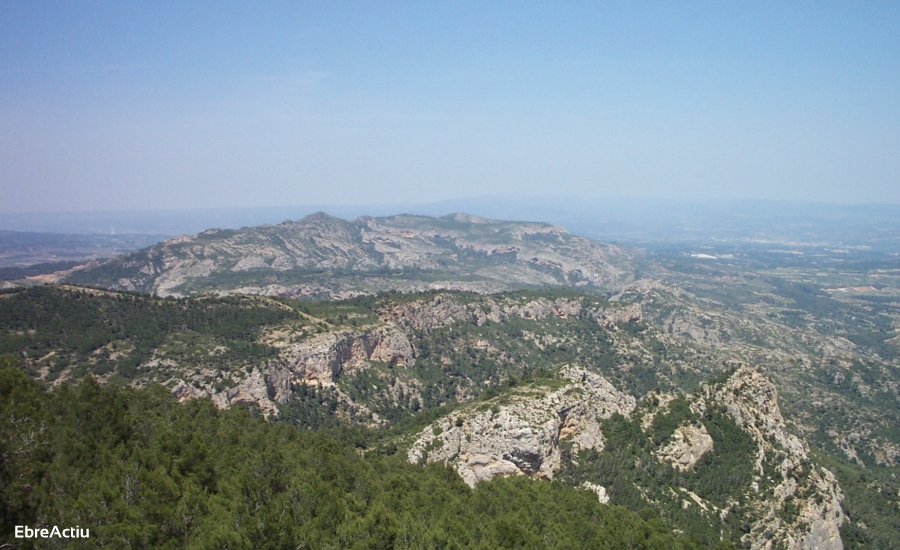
136,469
396,373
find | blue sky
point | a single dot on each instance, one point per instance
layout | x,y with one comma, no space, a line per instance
118,106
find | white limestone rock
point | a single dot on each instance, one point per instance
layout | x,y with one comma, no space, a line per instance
688,444
752,401
599,489
320,360
522,436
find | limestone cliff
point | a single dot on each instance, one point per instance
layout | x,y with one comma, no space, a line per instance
792,501
689,443
752,401
522,436
322,359
252,389
446,309
317,361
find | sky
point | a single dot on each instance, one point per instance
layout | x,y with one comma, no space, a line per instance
160,105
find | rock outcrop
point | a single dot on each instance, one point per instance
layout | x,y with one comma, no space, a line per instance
606,318
318,361
253,389
600,490
443,310
688,444
322,359
523,435
752,401
791,501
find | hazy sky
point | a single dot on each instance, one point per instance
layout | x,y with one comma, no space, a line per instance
128,105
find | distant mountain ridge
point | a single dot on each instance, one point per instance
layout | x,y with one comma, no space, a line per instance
327,257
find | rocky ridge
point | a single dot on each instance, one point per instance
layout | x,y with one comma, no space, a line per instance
814,372
318,361
520,434
444,310
379,352
322,359
752,401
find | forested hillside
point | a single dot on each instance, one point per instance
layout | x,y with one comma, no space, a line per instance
141,470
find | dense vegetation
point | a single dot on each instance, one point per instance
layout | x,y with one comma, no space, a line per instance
632,474
869,502
143,471
101,332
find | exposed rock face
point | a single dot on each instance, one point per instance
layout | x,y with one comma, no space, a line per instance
278,383
318,361
522,437
251,390
501,254
444,310
752,402
322,359
689,443
438,312
599,489
609,317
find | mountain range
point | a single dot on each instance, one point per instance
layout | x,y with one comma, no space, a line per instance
324,256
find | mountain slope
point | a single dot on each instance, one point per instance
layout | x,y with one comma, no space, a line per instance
825,338
133,469
719,459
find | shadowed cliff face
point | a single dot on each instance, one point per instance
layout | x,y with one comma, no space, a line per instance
323,256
